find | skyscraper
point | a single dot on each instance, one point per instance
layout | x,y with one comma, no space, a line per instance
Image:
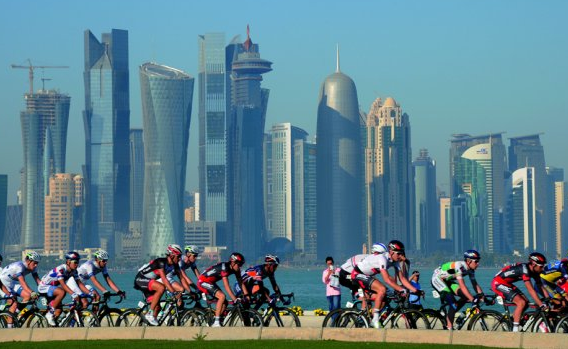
107,127
267,181
426,202
527,151
245,134
136,174
214,95
388,174
44,136
3,207
283,137
524,237
338,168
561,218
166,104
477,168
305,208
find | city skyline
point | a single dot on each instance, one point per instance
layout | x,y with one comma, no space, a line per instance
460,66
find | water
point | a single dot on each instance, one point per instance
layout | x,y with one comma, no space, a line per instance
307,286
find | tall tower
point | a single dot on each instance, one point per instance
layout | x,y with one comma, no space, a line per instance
245,134
389,173
523,212
338,168
426,212
3,208
212,127
166,104
60,207
136,174
305,209
44,136
107,128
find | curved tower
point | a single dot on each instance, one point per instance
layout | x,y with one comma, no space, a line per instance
338,168
166,105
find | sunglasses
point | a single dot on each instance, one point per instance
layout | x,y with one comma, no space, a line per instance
74,262
240,264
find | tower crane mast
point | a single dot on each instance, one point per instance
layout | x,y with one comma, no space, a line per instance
31,68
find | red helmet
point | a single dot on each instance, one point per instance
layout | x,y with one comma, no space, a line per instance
396,246
537,258
173,249
237,258
72,255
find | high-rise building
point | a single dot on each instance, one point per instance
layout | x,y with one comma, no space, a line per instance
445,218
305,210
561,218
214,95
107,129
426,202
60,211
523,213
267,182
339,168
283,137
527,151
3,207
477,168
166,104
44,136
388,174
136,174
245,135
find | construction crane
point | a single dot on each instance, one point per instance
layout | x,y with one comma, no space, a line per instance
31,68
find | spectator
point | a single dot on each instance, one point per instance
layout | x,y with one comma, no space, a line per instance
414,299
330,278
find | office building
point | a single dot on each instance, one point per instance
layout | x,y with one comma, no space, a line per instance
107,129
305,209
245,135
136,174
339,168
388,175
426,215
166,105
523,212
214,97
267,182
3,207
44,136
561,218
445,218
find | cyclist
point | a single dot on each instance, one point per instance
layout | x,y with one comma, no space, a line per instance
448,281
502,285
13,279
207,283
554,277
54,285
147,276
252,279
347,268
186,262
89,270
364,272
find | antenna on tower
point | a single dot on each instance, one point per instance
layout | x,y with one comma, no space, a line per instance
337,70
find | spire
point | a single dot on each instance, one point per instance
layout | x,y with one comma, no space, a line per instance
337,70
248,42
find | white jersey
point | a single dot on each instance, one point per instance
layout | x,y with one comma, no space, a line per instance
352,262
13,271
89,269
61,272
372,264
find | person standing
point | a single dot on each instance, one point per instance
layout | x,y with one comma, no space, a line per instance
330,278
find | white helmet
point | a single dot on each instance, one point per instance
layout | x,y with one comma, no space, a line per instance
379,248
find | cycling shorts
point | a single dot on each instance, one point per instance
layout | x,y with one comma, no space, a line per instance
345,281
209,288
362,280
14,287
508,292
47,289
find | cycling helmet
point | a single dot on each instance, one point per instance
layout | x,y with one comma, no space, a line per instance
379,248
271,259
173,249
396,246
537,258
101,255
471,254
192,249
72,255
237,257
33,256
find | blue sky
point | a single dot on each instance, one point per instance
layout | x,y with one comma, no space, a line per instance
454,66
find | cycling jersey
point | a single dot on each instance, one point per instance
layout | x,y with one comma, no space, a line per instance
352,262
216,272
452,271
515,272
182,267
89,269
255,275
373,263
13,271
150,270
62,272
555,272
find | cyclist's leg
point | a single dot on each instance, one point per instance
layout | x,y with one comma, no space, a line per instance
446,297
158,290
512,294
521,304
58,294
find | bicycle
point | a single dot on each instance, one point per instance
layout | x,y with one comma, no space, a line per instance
531,321
331,317
30,315
170,315
106,315
282,316
76,316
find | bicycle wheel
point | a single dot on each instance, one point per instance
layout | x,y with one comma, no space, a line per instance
7,317
35,319
130,318
352,319
331,317
109,317
191,318
244,318
409,319
488,320
562,325
282,317
542,326
89,319
436,320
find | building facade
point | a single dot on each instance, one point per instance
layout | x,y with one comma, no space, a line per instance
166,105
388,175
107,129
3,207
338,168
305,208
213,98
136,174
523,211
426,211
44,136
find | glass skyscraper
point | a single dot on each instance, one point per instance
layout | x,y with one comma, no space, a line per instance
44,136
136,174
213,92
305,208
338,169
166,104
107,128
426,212
245,135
